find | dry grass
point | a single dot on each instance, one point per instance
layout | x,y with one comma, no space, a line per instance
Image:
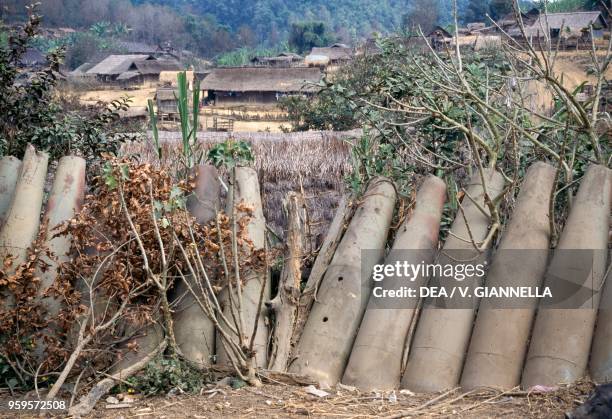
313,162
289,401
138,96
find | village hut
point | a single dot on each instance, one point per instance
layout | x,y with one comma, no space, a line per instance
439,37
148,71
82,69
475,26
487,42
509,21
110,68
334,55
285,59
132,69
258,85
576,25
79,75
166,99
369,47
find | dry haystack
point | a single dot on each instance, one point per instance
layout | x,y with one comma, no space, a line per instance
315,161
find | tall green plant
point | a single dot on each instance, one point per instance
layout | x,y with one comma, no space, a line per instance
154,130
189,128
189,115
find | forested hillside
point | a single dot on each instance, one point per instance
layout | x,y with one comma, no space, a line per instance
211,27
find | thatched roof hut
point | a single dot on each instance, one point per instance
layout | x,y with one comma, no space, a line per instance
170,78
150,67
166,99
133,68
114,65
82,69
563,24
475,26
285,59
259,84
484,42
439,32
335,54
253,79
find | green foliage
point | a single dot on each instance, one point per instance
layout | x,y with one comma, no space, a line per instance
8,377
31,112
306,35
500,8
209,28
325,112
154,130
231,153
476,11
560,6
329,109
189,128
372,156
83,46
367,91
421,13
167,374
189,112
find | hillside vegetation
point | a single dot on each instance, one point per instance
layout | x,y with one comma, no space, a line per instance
209,28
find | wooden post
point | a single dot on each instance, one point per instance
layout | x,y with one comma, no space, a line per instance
285,304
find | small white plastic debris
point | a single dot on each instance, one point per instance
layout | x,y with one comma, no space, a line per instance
112,400
315,391
406,392
269,402
392,397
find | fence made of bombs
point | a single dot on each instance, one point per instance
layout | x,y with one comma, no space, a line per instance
345,337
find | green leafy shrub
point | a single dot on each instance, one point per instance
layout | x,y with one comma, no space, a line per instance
32,112
167,374
231,154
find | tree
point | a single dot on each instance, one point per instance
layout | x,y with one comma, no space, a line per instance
500,8
476,11
423,14
306,35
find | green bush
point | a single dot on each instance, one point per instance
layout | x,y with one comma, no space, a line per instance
166,374
32,112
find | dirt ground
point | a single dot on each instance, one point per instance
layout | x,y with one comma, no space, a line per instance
573,67
285,401
139,96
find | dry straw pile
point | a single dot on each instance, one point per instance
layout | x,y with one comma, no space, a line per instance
315,162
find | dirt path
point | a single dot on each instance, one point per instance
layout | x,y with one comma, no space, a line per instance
283,401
